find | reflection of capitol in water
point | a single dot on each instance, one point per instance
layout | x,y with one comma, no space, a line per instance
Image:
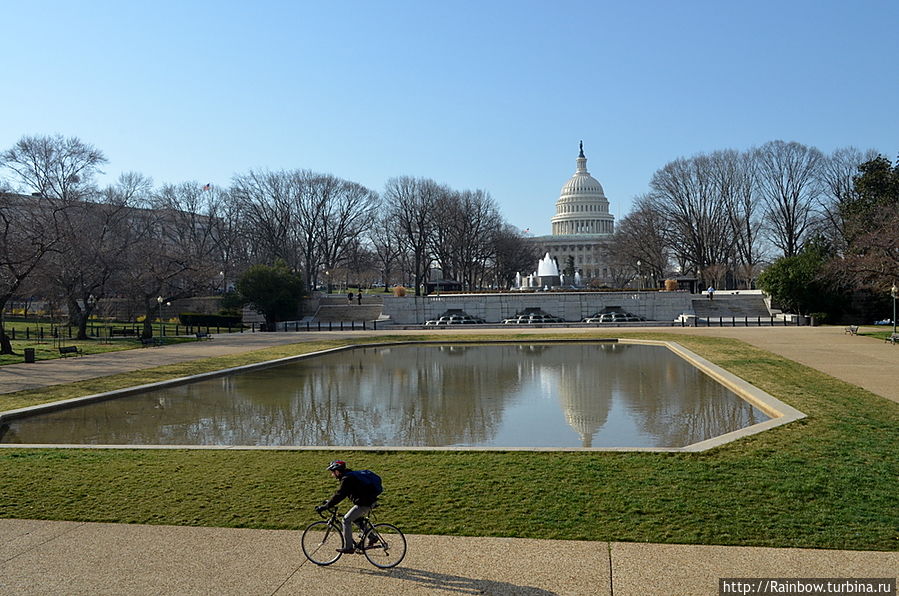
493,395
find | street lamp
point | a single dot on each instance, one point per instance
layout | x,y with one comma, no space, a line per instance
893,294
639,275
159,300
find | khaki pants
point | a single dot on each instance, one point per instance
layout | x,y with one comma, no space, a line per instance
355,512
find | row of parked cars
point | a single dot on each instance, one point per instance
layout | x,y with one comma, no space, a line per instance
613,317
533,318
454,319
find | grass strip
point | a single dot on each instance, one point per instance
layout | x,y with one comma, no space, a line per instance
827,481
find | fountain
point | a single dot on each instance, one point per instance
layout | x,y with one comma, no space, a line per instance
546,276
548,272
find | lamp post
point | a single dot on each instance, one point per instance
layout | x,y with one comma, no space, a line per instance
159,300
893,294
639,275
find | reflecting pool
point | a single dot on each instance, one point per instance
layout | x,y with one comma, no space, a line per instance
485,395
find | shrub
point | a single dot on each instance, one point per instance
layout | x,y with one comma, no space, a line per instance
399,291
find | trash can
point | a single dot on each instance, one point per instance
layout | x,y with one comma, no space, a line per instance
29,355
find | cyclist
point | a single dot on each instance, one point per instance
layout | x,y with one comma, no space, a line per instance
352,487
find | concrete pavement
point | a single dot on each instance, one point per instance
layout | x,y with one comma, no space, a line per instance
71,558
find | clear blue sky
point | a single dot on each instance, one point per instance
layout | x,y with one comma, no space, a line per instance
475,94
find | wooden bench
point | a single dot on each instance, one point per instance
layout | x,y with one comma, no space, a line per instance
64,351
150,341
893,338
203,335
852,329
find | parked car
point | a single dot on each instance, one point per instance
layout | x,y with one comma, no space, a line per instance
460,319
613,317
532,319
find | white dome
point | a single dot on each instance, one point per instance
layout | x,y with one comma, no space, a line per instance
582,183
582,207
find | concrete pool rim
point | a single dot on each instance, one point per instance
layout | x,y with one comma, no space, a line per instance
779,413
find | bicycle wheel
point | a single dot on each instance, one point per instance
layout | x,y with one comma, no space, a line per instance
385,546
320,542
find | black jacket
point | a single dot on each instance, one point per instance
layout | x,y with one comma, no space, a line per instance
350,487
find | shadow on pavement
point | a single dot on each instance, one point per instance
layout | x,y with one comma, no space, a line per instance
459,584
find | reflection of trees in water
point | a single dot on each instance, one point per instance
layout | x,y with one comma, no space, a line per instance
408,395
676,402
364,397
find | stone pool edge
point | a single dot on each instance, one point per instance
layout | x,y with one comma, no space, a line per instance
779,412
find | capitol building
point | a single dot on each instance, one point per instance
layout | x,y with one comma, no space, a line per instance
581,226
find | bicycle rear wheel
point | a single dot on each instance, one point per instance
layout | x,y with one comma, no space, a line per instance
385,545
320,542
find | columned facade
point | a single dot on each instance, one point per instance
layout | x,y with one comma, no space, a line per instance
581,226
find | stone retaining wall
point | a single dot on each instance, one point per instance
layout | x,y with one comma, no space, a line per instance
571,306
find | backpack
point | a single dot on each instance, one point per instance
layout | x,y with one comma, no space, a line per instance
369,483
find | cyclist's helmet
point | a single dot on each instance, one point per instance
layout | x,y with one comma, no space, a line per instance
337,465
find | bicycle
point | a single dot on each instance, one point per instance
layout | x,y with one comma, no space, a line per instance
384,545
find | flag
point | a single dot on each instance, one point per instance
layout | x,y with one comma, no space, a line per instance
208,186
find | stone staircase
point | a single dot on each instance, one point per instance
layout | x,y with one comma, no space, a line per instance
731,305
336,308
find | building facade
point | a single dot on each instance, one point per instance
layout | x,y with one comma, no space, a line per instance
581,226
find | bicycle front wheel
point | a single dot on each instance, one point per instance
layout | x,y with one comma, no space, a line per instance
320,542
385,546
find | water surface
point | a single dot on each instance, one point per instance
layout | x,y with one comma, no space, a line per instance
490,395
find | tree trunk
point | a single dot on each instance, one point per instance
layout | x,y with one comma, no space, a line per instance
5,343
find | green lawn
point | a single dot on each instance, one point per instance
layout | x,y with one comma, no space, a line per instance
827,481
39,335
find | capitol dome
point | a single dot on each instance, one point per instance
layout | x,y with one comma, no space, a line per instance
582,207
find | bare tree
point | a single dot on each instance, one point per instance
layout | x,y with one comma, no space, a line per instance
306,219
94,236
736,180
411,201
54,167
384,237
837,173
59,172
27,235
512,254
346,209
697,227
462,225
789,184
640,237
174,253
226,217
268,204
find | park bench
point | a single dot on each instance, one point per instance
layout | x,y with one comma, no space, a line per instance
64,351
893,338
852,329
123,332
203,335
150,341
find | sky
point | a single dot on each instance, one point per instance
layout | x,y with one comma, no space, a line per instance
491,95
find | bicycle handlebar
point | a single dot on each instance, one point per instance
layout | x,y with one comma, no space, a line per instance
331,510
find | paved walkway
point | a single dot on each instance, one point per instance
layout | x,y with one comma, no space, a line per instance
69,558
44,557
